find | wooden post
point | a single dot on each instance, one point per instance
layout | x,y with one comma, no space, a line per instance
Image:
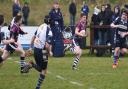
91,39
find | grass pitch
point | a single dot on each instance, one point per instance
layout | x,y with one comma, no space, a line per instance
93,73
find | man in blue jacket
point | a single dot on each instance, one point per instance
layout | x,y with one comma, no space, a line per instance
57,28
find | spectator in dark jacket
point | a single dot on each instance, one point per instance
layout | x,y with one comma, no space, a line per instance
16,8
102,32
57,28
95,20
25,11
108,17
72,11
56,16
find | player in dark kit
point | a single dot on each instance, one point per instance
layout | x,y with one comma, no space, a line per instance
42,44
12,44
121,25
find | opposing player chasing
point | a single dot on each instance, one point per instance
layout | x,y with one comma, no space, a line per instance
80,32
121,25
42,44
12,44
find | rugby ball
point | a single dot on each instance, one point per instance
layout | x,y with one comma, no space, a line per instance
83,33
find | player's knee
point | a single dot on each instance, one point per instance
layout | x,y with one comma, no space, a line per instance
124,51
78,53
116,52
23,53
44,72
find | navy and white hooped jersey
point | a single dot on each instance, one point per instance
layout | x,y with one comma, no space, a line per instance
42,33
119,21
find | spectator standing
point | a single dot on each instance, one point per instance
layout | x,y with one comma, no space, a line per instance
16,8
72,11
85,8
57,28
95,20
108,17
25,11
102,32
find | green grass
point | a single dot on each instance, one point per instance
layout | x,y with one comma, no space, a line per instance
94,73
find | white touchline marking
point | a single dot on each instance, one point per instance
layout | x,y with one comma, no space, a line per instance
76,83
60,77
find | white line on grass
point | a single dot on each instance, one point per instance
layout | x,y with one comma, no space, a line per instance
76,83
64,79
60,77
